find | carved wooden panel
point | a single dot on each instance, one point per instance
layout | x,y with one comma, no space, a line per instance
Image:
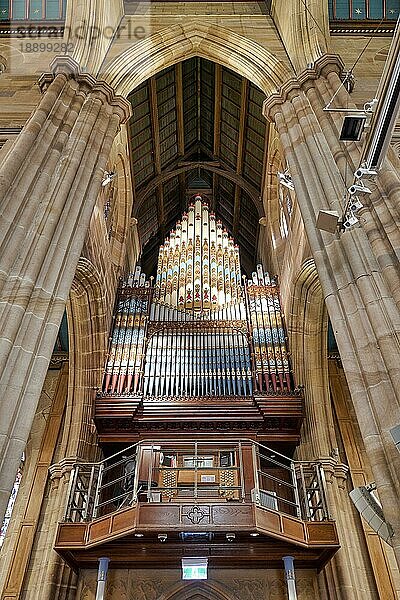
99,529
237,515
322,533
70,534
124,520
152,516
293,529
267,520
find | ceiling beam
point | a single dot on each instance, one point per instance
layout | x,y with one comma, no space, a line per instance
215,168
179,109
240,152
265,160
155,126
217,108
217,124
180,131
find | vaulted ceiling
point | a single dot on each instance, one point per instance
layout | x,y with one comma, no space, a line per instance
197,127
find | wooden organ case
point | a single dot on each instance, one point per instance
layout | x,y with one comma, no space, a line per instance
201,349
197,382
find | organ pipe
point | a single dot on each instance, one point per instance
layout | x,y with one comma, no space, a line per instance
198,329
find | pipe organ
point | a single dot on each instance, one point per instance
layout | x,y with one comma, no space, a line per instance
199,330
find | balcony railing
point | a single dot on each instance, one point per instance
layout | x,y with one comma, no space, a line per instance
200,471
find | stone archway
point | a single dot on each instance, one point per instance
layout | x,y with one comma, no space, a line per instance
305,35
197,590
180,42
308,333
88,328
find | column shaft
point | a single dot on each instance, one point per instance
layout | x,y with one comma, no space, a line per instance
49,184
364,315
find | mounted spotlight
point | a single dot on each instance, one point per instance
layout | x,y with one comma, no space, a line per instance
361,172
349,221
395,433
285,180
360,188
108,177
370,106
355,205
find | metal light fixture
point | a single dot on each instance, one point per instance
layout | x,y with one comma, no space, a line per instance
349,220
108,177
285,180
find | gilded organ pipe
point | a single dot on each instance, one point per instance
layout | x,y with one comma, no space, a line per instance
196,331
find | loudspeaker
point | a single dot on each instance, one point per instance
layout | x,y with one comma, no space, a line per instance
328,220
395,433
371,511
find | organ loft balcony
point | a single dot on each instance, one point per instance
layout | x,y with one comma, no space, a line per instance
236,503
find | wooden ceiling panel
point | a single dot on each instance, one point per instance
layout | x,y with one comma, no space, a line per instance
231,108
199,112
207,104
171,193
190,102
167,116
148,219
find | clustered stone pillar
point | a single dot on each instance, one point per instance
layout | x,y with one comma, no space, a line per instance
358,296
49,182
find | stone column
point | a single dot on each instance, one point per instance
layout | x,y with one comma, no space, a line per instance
361,307
351,566
48,187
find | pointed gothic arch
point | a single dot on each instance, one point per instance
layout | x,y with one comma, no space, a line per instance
88,330
197,590
307,328
179,42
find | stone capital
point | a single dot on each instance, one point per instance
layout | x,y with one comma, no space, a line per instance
327,63
58,470
334,469
67,67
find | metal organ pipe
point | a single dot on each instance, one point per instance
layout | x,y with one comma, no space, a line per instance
262,367
232,350
227,362
269,308
122,349
111,354
206,362
267,332
195,363
279,341
288,373
186,336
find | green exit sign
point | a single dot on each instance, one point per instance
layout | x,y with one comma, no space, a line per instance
194,568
